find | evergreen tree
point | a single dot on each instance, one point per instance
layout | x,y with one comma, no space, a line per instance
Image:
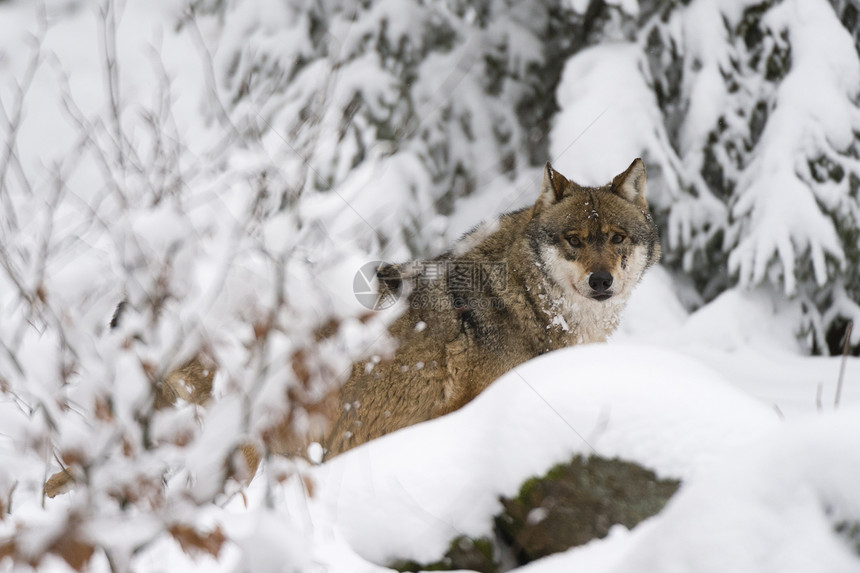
779,151
754,171
403,103
748,113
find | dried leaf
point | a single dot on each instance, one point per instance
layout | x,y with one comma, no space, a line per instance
300,367
150,369
41,293
75,552
192,381
310,485
59,483
262,329
103,410
72,457
191,540
251,458
327,330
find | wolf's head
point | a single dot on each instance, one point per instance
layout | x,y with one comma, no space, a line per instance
595,242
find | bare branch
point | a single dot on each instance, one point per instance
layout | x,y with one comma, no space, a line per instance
12,123
190,21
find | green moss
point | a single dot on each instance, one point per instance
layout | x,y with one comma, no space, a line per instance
577,502
850,531
530,485
463,553
570,505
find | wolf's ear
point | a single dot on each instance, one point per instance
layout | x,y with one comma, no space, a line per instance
553,186
631,184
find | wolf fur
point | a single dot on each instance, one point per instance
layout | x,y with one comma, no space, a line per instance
552,275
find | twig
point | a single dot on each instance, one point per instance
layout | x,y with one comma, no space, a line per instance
89,131
221,113
818,393
778,411
10,497
108,24
845,347
12,121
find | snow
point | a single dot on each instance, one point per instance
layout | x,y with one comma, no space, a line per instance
722,398
764,509
767,508
779,225
752,483
606,118
707,43
602,93
803,122
746,336
443,478
658,407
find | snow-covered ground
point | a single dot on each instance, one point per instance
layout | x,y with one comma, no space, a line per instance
761,493
721,398
690,397
747,337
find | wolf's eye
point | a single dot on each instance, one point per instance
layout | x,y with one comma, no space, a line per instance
574,241
617,238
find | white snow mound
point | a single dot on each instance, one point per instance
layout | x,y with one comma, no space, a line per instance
770,507
407,495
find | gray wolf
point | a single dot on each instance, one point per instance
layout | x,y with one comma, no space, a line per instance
545,277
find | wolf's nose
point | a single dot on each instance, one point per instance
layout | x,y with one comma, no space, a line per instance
600,281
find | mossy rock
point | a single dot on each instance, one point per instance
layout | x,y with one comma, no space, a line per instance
463,553
577,502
